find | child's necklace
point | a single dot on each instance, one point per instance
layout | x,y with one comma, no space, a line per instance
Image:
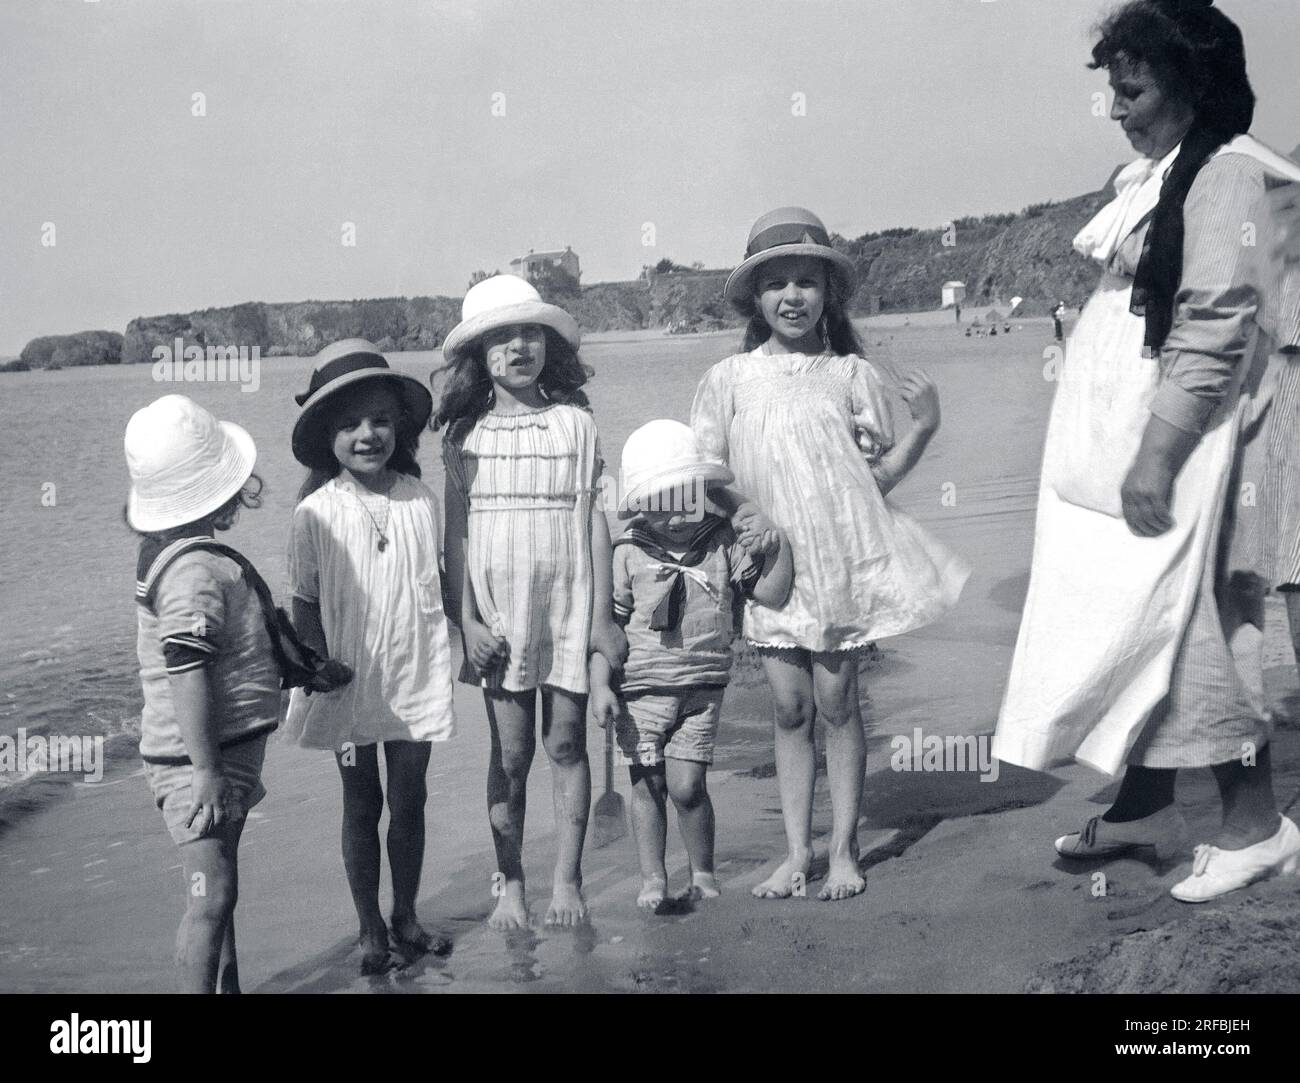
381,532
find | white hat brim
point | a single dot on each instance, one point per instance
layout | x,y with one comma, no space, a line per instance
539,312
207,493
740,293
670,478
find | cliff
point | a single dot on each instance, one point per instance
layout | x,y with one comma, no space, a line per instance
66,351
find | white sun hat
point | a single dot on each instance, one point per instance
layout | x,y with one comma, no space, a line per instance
500,301
661,456
184,463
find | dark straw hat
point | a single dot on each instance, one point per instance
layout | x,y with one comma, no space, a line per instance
340,365
786,231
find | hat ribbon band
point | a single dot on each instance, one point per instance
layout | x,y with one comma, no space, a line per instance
787,233
341,366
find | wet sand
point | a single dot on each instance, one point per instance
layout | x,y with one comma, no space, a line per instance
964,891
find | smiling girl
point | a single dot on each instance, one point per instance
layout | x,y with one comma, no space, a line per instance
364,562
801,420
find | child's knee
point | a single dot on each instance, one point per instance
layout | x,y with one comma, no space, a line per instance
837,711
515,764
364,809
566,749
688,793
793,714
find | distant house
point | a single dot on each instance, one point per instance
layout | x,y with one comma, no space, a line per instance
953,293
531,265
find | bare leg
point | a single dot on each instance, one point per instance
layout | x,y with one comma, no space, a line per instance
363,804
1293,620
212,889
688,787
650,826
835,692
511,716
790,677
407,763
564,736
1249,809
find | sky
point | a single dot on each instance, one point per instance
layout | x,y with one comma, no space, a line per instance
454,136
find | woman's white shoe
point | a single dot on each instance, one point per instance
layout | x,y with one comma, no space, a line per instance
1216,872
1165,831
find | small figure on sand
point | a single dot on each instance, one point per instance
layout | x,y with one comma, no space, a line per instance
363,563
528,562
208,668
802,421
678,574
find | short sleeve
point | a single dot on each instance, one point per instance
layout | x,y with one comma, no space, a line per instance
873,426
190,603
454,463
711,413
304,559
1218,296
622,583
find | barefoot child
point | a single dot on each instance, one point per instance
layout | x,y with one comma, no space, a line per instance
801,419
677,569
528,551
364,561
207,666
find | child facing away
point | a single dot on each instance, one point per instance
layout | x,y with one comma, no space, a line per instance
528,559
364,566
801,418
208,670
678,570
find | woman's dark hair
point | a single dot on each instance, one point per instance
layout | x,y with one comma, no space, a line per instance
1197,55
402,461
835,329
468,392
249,496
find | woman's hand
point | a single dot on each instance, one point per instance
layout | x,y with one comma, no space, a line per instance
483,649
209,790
1146,494
610,641
922,398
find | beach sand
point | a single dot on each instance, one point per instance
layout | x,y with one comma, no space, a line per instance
964,892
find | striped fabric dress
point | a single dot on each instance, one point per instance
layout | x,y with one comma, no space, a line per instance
528,481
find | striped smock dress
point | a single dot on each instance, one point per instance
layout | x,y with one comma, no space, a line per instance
528,481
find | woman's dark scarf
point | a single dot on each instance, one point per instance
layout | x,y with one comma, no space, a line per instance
1224,109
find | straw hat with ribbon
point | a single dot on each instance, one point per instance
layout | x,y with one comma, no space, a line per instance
659,457
338,366
184,463
786,231
501,301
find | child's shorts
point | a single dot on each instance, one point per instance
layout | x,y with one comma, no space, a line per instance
171,785
681,725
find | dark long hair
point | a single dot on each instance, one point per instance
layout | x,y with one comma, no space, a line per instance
1197,55
468,392
402,461
835,329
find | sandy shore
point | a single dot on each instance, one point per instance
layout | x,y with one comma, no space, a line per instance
964,891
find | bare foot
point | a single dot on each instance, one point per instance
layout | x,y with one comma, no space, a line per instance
654,890
375,958
843,881
411,936
704,885
512,910
568,907
791,872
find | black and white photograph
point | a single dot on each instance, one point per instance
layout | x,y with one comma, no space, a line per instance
651,497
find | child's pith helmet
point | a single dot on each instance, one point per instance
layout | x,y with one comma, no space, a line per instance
501,301
184,463
786,231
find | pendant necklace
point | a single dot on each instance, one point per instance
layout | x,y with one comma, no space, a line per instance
379,531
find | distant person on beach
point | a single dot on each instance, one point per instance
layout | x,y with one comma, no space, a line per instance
801,419
1140,647
207,666
1058,321
678,574
363,563
528,561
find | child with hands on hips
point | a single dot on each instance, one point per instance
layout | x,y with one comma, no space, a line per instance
528,561
677,572
801,419
364,562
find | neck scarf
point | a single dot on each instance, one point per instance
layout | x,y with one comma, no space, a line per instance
667,614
